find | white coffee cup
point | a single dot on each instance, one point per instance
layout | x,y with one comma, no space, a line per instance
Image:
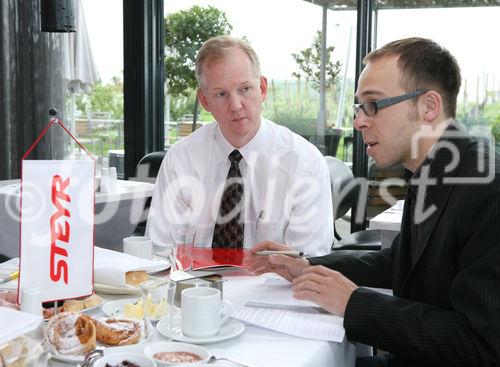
138,246
203,312
31,301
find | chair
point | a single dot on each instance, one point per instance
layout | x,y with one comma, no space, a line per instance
344,193
146,171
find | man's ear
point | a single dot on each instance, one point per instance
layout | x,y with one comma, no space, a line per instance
432,105
203,99
263,88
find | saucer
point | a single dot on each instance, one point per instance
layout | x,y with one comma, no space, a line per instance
230,329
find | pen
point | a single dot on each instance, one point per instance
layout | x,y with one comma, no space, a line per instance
287,253
9,277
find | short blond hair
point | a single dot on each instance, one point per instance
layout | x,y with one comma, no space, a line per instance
217,48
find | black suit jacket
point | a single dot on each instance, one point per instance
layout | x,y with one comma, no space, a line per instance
446,308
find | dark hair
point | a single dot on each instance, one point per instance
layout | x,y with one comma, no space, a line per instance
425,65
217,48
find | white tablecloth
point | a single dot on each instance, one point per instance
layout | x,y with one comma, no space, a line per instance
264,348
389,222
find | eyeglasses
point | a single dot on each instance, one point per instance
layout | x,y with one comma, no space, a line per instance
371,108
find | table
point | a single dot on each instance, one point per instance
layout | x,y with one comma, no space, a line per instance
389,222
116,214
260,347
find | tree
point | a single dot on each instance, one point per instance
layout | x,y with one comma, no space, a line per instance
309,62
185,32
103,98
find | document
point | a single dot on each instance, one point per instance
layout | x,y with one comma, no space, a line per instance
308,323
277,293
273,307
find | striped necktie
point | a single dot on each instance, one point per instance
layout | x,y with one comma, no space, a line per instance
229,227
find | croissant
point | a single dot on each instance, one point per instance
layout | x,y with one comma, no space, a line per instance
71,333
118,331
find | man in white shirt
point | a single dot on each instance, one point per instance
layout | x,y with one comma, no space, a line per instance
285,185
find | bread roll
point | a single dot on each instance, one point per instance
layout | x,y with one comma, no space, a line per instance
73,305
135,278
92,301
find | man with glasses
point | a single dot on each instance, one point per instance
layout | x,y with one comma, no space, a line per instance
443,267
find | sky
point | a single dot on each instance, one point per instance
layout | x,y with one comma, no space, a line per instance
278,28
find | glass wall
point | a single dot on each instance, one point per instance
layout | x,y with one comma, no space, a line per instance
94,96
466,33
293,97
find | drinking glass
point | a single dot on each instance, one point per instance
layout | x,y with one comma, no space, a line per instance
183,247
158,301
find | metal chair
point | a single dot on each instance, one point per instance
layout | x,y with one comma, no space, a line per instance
146,171
344,193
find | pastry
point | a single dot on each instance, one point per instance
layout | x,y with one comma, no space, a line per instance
71,334
118,331
135,278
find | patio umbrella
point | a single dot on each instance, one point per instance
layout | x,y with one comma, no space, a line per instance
79,70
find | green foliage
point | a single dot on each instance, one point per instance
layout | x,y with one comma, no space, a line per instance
185,32
495,131
492,113
103,98
182,105
309,62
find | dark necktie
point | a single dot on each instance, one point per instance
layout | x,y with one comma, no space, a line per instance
411,196
229,227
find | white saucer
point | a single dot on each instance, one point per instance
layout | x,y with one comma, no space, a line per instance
229,330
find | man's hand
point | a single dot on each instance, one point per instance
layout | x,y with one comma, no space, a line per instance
286,266
327,288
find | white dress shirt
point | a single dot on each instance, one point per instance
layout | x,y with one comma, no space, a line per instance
286,189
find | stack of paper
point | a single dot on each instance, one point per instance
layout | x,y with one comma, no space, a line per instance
273,307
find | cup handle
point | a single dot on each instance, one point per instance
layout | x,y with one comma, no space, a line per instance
225,311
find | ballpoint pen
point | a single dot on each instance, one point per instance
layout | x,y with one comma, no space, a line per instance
290,253
9,277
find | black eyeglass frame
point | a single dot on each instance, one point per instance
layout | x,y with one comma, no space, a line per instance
386,102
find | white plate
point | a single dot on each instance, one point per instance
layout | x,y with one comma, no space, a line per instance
115,289
229,330
66,357
163,265
92,308
77,359
115,308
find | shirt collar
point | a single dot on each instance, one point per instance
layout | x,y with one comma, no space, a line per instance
224,148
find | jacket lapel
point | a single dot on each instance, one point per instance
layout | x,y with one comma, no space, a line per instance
432,195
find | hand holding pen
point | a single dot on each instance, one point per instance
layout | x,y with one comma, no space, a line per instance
290,253
285,261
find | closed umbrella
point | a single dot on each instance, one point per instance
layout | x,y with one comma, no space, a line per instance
79,70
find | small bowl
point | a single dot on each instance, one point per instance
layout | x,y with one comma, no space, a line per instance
159,347
114,359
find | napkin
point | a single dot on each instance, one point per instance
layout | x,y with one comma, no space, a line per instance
110,266
15,323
